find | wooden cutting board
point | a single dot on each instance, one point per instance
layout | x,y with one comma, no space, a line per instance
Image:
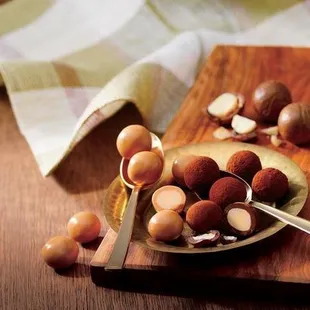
282,258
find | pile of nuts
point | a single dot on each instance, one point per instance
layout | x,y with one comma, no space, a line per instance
272,101
221,216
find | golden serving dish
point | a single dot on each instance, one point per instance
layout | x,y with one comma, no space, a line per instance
117,196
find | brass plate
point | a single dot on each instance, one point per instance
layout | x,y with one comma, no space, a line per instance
117,195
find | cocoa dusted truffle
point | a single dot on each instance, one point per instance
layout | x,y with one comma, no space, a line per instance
226,191
201,173
245,164
204,215
270,184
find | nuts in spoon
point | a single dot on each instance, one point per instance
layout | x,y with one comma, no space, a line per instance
145,168
133,139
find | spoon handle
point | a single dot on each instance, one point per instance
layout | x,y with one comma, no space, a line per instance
284,217
119,252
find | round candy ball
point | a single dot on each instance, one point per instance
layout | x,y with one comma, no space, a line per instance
201,173
165,225
178,167
269,98
145,168
133,139
270,184
60,252
226,191
204,215
244,164
84,227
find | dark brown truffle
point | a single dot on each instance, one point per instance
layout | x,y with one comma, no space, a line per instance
201,173
204,215
269,98
241,219
270,184
245,164
226,191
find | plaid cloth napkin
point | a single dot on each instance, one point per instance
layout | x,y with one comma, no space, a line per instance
68,65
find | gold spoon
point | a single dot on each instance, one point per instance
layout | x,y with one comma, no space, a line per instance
120,248
282,216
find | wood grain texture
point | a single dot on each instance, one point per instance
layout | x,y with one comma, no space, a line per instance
34,208
283,257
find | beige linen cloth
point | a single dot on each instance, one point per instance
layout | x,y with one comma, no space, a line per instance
70,64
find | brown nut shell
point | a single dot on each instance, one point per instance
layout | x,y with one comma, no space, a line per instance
244,164
201,173
226,191
294,123
270,184
240,219
207,239
269,98
204,215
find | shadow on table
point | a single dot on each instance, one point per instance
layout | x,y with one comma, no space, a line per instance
94,162
78,270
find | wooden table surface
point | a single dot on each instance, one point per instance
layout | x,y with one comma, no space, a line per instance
34,208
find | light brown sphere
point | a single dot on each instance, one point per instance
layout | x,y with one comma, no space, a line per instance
145,168
60,252
166,225
270,98
84,227
133,139
178,167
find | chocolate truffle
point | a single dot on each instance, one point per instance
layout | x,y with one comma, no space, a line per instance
204,215
270,184
270,98
201,173
241,219
226,191
178,167
245,164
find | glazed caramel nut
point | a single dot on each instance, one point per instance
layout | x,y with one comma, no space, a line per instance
169,197
133,139
241,219
84,227
60,252
178,167
145,168
166,225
